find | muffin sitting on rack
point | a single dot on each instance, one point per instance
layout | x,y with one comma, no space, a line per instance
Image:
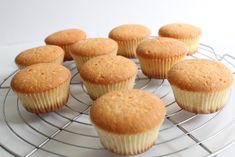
128,121
200,85
107,73
157,56
128,37
65,39
42,87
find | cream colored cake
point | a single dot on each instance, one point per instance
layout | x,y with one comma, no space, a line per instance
40,54
157,56
128,38
42,87
64,39
84,50
185,32
106,73
127,121
200,85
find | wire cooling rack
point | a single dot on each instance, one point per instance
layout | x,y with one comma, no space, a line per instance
68,132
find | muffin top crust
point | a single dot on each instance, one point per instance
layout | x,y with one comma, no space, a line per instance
161,48
40,78
94,47
108,69
40,54
127,111
129,32
65,37
179,31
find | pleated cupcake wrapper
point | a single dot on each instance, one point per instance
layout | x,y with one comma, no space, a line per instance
193,44
158,68
67,50
200,102
80,60
128,48
127,144
58,60
47,101
96,90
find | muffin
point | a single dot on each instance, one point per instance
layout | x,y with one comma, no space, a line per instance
157,56
42,87
127,121
185,32
84,50
128,38
41,54
106,73
200,85
65,39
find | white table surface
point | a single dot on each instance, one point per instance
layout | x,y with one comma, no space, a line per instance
26,23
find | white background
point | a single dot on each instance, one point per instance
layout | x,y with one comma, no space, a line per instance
25,21
33,20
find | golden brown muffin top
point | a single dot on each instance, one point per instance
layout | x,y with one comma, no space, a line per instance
179,31
129,32
108,69
127,111
41,54
39,78
65,37
94,47
161,48
201,75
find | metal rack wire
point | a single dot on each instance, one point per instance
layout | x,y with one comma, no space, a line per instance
78,115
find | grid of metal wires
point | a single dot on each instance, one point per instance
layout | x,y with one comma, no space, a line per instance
82,99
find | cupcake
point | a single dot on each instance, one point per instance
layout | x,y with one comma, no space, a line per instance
84,50
41,54
157,56
200,85
185,32
65,39
128,38
42,87
127,121
106,73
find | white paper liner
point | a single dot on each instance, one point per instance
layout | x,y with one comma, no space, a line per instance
96,90
47,101
200,102
158,68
